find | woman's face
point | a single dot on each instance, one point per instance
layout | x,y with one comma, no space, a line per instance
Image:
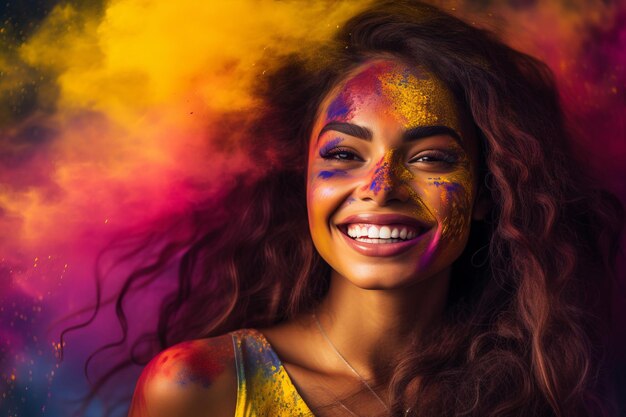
391,177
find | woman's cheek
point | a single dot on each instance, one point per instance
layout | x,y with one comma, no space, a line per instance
323,199
323,186
453,196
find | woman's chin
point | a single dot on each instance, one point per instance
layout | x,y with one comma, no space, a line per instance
384,277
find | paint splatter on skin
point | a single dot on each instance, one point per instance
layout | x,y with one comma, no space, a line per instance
329,146
455,190
340,108
382,177
197,363
419,99
329,174
192,364
449,186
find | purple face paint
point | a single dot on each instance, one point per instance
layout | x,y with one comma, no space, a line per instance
450,187
328,146
339,108
382,177
329,174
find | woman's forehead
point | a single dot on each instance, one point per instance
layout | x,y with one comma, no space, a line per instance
410,94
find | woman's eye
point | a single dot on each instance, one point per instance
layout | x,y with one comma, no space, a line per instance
341,155
436,157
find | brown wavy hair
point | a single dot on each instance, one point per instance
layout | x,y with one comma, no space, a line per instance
527,317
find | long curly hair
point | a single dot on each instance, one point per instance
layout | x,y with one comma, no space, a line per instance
526,321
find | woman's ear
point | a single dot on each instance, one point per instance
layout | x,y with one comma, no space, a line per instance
482,204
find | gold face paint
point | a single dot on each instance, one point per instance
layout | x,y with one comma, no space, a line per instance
455,190
423,101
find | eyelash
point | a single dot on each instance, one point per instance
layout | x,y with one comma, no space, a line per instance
335,152
435,156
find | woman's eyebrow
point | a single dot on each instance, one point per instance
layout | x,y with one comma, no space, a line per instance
349,129
426,131
412,134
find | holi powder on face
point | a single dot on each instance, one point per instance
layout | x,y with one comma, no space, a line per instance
352,95
382,178
391,172
324,175
340,108
455,192
450,187
419,99
329,146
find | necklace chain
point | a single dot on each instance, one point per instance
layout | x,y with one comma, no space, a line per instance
354,371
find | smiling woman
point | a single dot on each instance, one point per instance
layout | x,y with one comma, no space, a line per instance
397,206
428,246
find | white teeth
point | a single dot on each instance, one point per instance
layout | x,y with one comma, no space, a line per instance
379,241
380,234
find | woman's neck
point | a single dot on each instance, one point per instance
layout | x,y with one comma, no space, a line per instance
371,327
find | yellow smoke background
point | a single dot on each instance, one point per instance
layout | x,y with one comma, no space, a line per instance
135,91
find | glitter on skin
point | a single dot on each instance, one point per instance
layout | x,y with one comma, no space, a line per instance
419,99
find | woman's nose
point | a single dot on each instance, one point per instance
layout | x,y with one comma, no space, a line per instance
386,181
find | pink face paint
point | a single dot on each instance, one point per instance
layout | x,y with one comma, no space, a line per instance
432,247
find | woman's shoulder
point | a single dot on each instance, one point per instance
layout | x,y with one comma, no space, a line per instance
193,378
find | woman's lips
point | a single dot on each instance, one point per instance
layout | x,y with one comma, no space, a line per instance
381,234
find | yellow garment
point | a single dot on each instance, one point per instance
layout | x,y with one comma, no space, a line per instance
264,387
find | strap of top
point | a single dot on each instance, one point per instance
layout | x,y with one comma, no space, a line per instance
242,409
264,387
